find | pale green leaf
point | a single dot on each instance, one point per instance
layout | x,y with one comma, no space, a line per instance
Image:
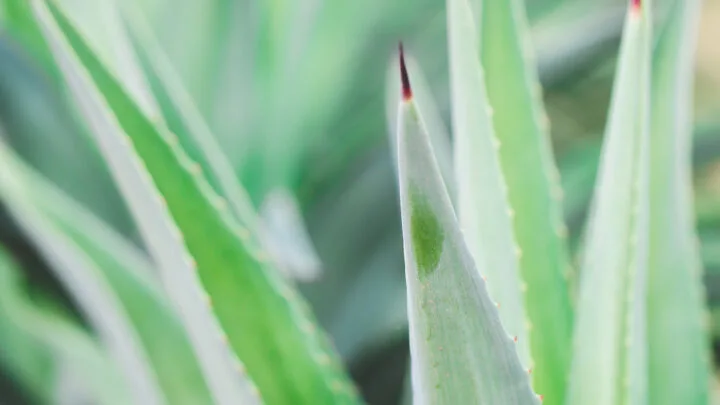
533,188
678,343
460,353
610,363
91,292
225,381
285,235
37,346
484,214
427,108
285,354
128,274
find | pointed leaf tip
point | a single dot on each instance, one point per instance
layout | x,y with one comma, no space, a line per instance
406,90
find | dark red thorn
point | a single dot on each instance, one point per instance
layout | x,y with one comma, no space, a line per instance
636,4
406,90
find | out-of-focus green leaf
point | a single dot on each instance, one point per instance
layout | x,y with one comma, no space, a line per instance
484,214
183,118
129,275
222,371
20,353
677,343
90,290
18,22
284,234
38,124
285,355
533,189
460,353
37,345
610,348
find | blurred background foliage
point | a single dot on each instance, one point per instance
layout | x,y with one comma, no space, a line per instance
294,91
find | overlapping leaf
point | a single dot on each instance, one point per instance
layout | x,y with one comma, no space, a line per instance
460,353
127,274
285,354
483,211
39,345
533,187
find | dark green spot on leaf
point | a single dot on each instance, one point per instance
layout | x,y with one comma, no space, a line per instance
427,234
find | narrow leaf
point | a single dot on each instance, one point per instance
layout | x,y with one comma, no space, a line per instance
610,364
102,308
677,335
128,274
533,188
36,345
91,292
484,214
285,355
225,381
285,236
460,353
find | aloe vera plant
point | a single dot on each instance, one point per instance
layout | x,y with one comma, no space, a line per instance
208,312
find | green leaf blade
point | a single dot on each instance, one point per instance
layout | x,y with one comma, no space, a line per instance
39,345
283,231
533,189
677,336
483,210
226,381
90,290
460,352
610,348
266,324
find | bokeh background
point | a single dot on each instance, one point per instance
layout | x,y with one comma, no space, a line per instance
297,100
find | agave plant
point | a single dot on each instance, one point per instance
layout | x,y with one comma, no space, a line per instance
487,289
209,312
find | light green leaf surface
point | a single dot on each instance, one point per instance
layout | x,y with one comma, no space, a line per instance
100,22
128,274
460,353
533,188
38,345
678,343
183,119
285,355
484,214
284,236
610,363
427,108
224,376
92,293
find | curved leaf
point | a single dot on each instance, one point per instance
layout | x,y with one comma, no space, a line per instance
285,355
225,381
38,346
129,276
